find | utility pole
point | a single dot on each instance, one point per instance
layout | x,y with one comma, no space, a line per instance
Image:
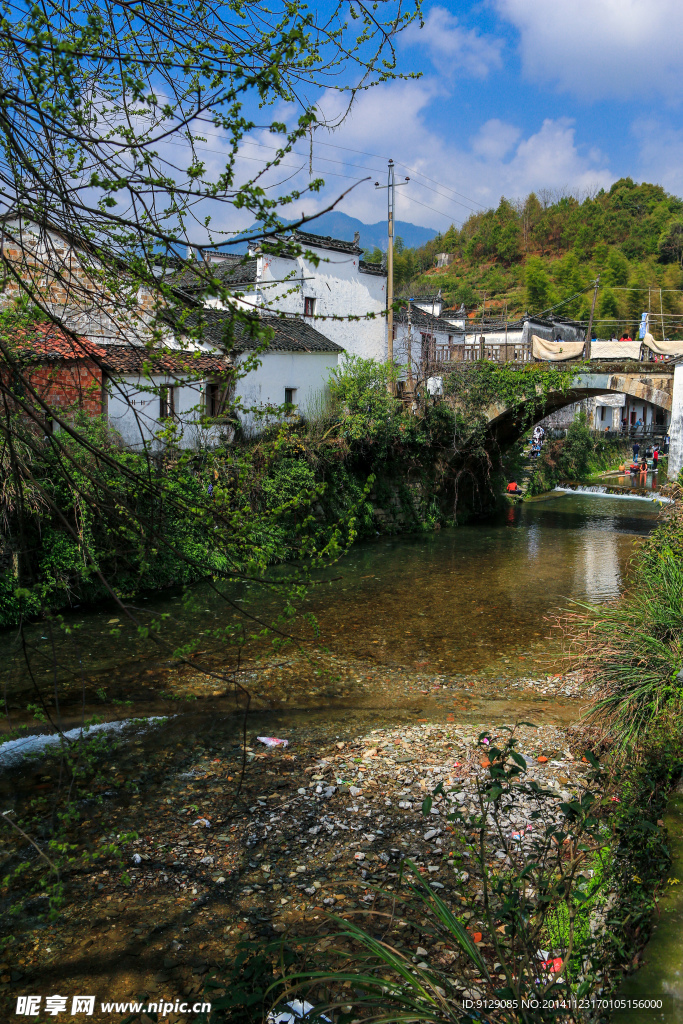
391,207
411,383
589,332
507,354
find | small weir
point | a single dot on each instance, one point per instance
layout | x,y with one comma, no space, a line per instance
614,492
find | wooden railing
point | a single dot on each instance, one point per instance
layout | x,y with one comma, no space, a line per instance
497,352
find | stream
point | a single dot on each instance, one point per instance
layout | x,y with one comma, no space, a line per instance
407,623
476,600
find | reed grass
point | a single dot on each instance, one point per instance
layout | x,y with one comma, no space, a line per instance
631,652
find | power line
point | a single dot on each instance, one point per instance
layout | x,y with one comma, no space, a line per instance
448,199
448,189
432,208
280,163
363,167
374,156
305,156
643,288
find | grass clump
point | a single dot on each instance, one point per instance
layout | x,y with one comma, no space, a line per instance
631,652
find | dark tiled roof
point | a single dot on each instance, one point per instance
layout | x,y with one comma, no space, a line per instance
46,342
372,268
217,327
309,241
138,359
232,271
419,319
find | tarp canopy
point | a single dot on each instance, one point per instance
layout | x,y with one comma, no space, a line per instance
664,348
555,351
615,350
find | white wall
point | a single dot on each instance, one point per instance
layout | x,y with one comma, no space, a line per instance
339,288
308,372
676,426
405,352
134,412
612,404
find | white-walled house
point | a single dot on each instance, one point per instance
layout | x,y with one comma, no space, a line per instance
147,392
292,370
186,383
194,387
420,337
343,297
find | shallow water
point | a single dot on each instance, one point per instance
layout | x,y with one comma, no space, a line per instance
476,599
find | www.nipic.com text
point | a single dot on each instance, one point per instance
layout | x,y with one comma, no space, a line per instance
30,1006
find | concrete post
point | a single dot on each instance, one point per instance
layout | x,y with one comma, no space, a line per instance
676,425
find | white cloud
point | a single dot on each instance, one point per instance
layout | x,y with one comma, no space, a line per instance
494,139
449,175
601,48
453,48
660,158
401,120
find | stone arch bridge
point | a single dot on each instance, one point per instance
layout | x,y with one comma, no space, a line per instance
654,385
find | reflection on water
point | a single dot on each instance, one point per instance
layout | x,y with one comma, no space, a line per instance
600,572
463,598
460,600
649,481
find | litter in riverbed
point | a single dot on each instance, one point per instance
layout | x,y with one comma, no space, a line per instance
298,1010
272,741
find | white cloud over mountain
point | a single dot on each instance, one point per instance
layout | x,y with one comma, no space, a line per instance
399,120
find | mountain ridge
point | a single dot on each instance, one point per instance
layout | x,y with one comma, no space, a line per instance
341,225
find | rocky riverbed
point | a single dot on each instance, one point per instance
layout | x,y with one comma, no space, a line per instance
237,839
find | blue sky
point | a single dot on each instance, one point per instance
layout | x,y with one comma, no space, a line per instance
514,95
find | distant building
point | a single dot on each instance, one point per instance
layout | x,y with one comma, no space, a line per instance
421,338
621,412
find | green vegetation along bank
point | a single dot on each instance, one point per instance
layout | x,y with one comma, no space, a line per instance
86,519
546,250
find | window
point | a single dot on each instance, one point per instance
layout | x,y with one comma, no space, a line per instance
215,398
602,412
166,401
290,399
309,306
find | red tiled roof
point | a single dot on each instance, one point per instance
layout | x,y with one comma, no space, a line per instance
47,342
128,359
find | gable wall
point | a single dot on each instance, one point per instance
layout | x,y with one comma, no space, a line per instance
308,372
339,288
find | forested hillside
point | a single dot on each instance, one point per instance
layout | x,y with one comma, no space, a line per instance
538,253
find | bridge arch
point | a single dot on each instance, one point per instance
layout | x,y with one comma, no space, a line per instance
657,389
